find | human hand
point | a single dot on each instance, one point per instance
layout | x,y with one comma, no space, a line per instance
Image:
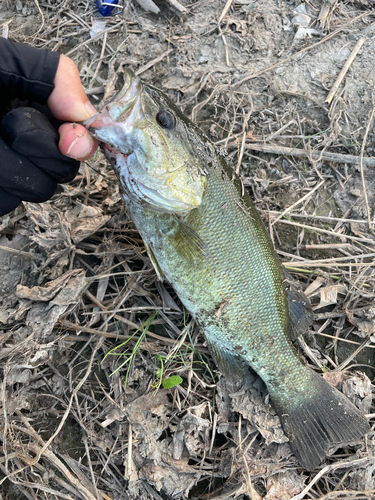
31,164
68,102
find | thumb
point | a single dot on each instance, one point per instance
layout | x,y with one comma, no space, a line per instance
68,101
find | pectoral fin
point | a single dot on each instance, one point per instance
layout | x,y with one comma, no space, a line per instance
187,242
154,262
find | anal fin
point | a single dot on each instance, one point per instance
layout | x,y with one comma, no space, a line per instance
228,362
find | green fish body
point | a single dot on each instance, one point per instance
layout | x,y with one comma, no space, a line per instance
204,236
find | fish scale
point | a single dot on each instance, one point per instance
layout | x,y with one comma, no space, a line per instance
205,237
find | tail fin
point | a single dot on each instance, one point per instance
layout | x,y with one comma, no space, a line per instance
324,420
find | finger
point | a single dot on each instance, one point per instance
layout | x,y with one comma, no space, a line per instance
76,142
68,101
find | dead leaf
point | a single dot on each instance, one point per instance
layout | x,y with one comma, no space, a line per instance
85,221
365,328
328,295
284,485
363,320
356,386
358,389
49,290
315,285
152,458
189,433
249,401
51,301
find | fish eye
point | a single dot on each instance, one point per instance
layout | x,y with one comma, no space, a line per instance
165,119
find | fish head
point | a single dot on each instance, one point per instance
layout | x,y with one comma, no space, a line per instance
151,148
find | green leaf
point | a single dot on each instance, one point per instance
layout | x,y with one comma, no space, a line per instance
170,382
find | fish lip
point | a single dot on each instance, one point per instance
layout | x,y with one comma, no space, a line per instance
125,108
131,84
87,123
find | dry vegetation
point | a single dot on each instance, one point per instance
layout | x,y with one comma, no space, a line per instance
89,336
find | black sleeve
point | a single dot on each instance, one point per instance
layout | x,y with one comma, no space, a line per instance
26,73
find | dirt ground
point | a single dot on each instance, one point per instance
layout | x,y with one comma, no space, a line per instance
90,340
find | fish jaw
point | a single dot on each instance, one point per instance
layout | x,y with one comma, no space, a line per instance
151,171
147,196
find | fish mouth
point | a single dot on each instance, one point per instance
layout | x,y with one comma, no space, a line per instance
128,101
125,109
87,123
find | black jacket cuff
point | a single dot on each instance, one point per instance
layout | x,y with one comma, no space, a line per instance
26,73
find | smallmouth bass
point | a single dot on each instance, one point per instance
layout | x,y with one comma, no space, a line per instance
204,236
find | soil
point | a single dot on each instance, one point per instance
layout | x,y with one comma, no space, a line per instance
108,388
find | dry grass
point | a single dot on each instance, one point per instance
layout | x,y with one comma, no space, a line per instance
70,427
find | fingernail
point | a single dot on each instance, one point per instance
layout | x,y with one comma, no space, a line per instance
80,147
90,108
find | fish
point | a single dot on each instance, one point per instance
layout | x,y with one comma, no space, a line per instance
205,237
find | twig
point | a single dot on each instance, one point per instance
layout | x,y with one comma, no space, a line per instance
214,426
225,10
344,70
330,264
227,60
318,217
364,344
342,340
326,231
28,255
328,246
95,90
278,132
361,166
303,153
84,440
309,353
104,43
298,202
339,259
340,465
347,494
42,16
240,156
149,65
83,44
73,326
129,467
44,449
180,9
148,5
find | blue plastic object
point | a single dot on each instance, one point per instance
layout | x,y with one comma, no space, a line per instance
106,10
